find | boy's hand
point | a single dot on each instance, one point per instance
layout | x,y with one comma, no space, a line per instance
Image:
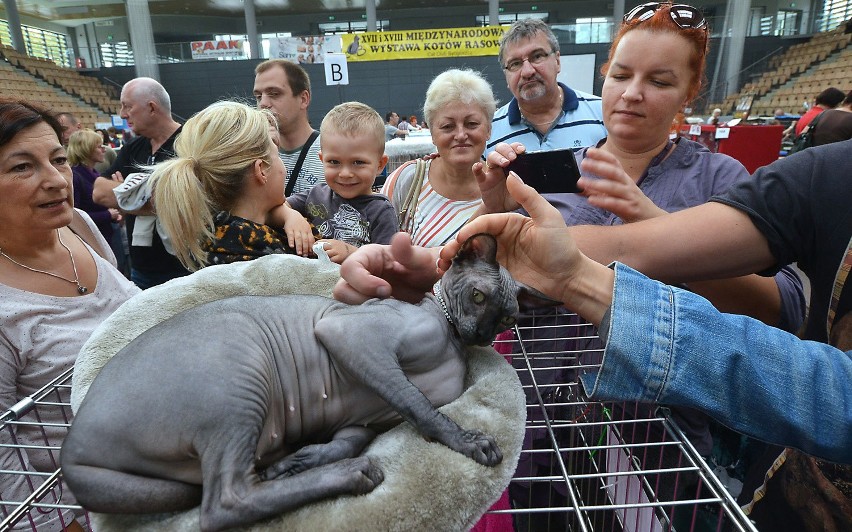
337,250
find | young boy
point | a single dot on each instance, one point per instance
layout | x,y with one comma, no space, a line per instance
344,210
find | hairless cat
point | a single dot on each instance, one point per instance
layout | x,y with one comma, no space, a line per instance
253,406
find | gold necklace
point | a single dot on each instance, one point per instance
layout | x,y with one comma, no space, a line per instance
76,280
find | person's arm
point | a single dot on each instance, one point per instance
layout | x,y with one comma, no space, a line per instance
102,191
131,195
295,226
753,295
384,223
708,241
670,346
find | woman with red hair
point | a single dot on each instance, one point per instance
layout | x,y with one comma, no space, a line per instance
654,70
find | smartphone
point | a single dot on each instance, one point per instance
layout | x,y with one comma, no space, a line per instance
548,171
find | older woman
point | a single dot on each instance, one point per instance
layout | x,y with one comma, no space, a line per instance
85,150
55,288
459,107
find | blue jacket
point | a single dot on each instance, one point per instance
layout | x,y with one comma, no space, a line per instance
670,346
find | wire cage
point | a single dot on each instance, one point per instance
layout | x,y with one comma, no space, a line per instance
32,494
591,466
586,466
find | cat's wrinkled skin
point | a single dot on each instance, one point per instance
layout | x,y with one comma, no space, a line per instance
253,406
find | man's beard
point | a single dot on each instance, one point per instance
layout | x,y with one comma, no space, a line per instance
532,90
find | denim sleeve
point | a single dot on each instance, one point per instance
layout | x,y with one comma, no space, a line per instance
670,346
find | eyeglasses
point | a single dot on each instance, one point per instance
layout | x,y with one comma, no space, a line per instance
686,17
535,58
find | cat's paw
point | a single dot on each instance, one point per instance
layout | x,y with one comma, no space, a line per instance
306,458
480,447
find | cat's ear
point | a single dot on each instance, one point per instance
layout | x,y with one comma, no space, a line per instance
530,299
480,246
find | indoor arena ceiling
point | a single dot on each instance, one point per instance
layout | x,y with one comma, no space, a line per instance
76,12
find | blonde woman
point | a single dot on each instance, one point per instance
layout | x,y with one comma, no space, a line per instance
221,199
459,107
85,150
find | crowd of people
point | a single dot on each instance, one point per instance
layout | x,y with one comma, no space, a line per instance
235,183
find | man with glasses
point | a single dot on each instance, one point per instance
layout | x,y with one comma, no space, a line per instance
544,114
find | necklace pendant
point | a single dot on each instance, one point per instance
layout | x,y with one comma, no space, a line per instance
82,289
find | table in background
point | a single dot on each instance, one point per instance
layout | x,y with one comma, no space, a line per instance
417,144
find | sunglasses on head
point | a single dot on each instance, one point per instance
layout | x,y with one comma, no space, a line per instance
686,17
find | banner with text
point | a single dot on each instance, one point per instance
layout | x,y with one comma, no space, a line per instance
304,49
422,44
214,49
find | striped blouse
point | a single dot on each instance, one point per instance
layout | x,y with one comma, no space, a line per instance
437,219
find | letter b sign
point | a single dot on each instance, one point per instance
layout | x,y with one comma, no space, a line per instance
336,71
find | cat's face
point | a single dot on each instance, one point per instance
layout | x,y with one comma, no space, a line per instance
482,298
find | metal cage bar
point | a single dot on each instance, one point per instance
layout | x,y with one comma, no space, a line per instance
35,498
591,466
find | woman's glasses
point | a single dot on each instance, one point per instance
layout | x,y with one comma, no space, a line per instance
686,17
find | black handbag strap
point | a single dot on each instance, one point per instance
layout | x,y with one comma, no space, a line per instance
294,173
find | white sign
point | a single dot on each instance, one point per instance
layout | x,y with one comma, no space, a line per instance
305,50
695,129
214,49
578,72
723,132
336,69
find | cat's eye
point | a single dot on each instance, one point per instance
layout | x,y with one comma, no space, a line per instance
478,297
507,321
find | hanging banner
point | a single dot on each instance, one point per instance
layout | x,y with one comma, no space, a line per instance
214,49
422,44
304,49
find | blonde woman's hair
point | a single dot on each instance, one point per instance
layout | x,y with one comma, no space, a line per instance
81,146
355,119
215,153
456,85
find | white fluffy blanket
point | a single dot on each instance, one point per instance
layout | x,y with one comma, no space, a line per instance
427,486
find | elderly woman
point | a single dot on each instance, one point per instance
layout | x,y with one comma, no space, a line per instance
459,107
56,285
85,150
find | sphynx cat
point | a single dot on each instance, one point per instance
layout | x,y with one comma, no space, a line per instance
253,406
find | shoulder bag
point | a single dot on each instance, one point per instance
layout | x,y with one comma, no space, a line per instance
806,138
294,172
409,204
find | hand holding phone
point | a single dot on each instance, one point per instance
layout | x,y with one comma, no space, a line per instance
548,172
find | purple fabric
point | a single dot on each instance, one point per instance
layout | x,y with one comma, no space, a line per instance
687,177
84,180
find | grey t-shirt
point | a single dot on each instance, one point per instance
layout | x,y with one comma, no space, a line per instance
362,220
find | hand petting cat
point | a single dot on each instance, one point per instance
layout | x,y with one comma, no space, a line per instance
538,251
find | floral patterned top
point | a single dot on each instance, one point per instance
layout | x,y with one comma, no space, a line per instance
237,239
